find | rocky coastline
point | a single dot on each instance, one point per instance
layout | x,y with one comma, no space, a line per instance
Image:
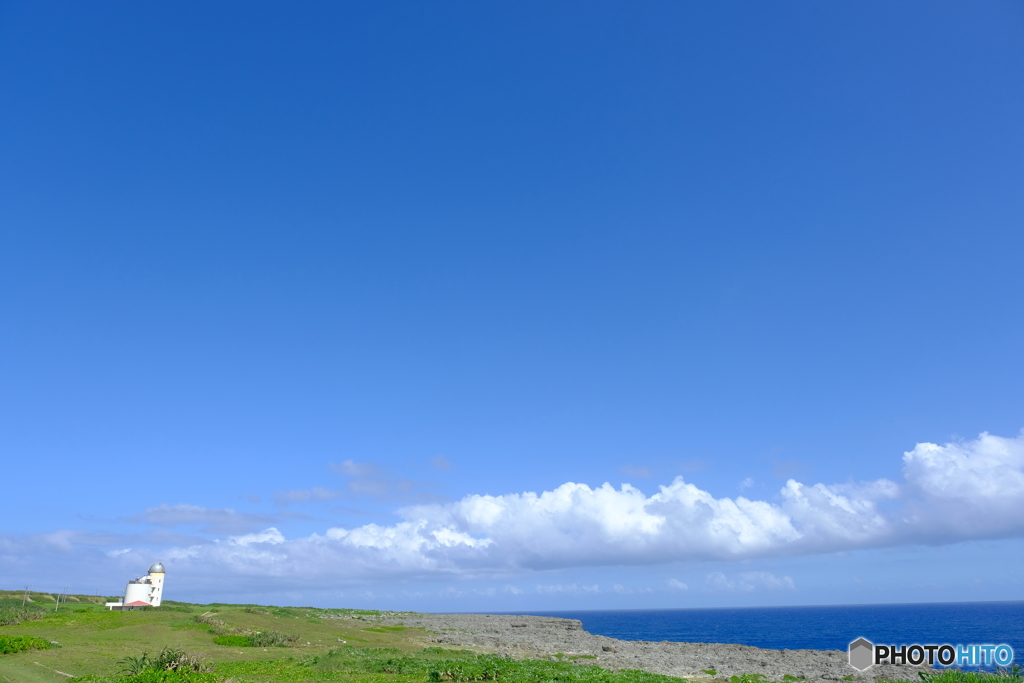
531,637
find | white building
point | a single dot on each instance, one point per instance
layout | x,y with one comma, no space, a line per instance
145,591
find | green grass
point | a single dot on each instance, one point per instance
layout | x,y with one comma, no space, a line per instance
436,665
11,644
254,644
152,677
93,639
12,612
233,641
259,644
370,665
1012,675
747,678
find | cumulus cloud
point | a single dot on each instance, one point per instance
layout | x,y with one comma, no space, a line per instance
966,489
959,491
954,492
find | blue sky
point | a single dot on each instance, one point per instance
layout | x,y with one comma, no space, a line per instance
309,301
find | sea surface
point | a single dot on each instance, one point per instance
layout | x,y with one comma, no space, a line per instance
817,628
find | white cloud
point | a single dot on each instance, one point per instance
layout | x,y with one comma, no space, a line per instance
576,525
967,489
958,491
271,536
746,582
676,585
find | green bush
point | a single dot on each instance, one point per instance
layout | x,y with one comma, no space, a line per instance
12,644
150,677
168,659
12,613
165,607
272,639
256,610
233,641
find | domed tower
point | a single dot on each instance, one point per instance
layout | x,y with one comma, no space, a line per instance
156,579
145,591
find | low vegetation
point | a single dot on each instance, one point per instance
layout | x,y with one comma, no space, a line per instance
13,612
427,665
168,659
78,641
1010,675
11,644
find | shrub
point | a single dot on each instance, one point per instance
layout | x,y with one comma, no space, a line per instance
233,641
175,607
171,677
168,660
14,614
148,677
207,620
179,660
256,610
135,665
272,639
12,644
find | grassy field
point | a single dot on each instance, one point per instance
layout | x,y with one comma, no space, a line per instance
83,642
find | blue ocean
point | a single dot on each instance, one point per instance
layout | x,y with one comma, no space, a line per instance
817,628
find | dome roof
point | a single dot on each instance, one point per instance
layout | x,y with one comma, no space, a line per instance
157,568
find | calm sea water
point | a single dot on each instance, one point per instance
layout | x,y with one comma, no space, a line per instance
818,628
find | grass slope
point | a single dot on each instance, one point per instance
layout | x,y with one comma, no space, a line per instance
83,642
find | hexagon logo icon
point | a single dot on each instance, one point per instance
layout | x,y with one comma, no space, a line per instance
862,654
